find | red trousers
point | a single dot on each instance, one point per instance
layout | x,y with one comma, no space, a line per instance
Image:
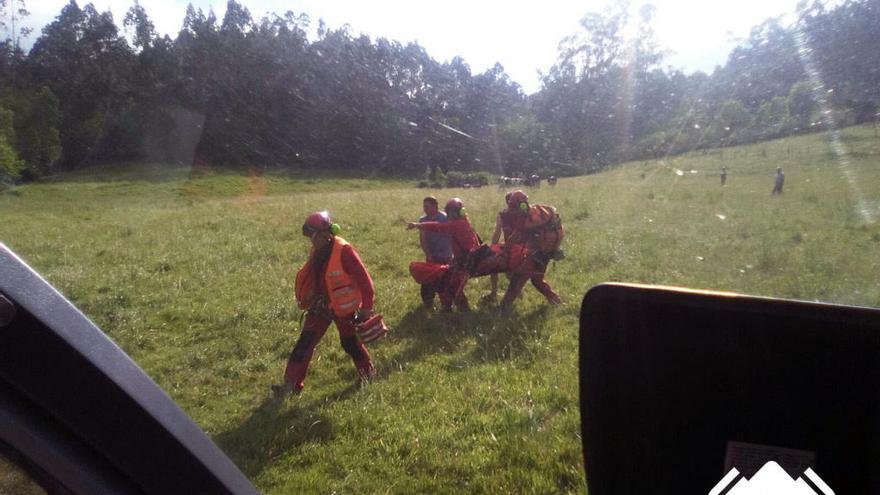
453,290
529,270
315,326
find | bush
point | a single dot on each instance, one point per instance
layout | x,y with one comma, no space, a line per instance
463,179
434,175
36,137
10,165
559,169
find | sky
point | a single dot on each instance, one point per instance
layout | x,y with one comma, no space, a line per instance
522,36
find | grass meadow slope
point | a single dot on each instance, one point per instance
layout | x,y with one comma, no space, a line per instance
192,275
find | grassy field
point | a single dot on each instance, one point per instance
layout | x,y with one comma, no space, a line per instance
192,275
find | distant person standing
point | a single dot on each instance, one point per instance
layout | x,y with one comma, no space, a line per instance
437,247
723,176
780,181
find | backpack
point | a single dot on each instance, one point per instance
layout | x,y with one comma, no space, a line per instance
306,286
543,226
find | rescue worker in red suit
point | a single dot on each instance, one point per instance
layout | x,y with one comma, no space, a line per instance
333,287
513,221
500,228
464,239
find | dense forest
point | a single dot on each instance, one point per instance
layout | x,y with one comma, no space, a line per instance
262,93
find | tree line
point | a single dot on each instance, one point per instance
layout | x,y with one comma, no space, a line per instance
259,93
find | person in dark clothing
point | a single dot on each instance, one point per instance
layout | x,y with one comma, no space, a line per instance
437,247
780,181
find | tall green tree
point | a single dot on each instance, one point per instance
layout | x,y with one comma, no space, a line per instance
772,120
36,135
248,92
10,165
138,22
841,42
86,63
801,105
589,96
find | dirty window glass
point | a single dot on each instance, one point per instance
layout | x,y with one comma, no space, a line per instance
172,168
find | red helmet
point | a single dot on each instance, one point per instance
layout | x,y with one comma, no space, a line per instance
516,198
316,222
453,207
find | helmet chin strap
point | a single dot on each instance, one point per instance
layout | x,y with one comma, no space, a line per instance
319,232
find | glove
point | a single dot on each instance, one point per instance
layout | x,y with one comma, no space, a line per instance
362,315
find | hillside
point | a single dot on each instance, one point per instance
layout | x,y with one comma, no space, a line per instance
192,275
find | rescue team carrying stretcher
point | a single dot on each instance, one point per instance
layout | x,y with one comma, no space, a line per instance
334,286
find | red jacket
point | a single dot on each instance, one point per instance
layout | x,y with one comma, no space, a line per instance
512,223
464,239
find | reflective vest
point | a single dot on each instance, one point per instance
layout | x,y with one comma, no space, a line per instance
343,293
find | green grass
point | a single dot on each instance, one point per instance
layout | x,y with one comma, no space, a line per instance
191,274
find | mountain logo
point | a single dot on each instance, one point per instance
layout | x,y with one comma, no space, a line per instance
771,478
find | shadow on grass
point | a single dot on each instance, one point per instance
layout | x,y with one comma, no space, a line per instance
498,334
509,334
271,430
